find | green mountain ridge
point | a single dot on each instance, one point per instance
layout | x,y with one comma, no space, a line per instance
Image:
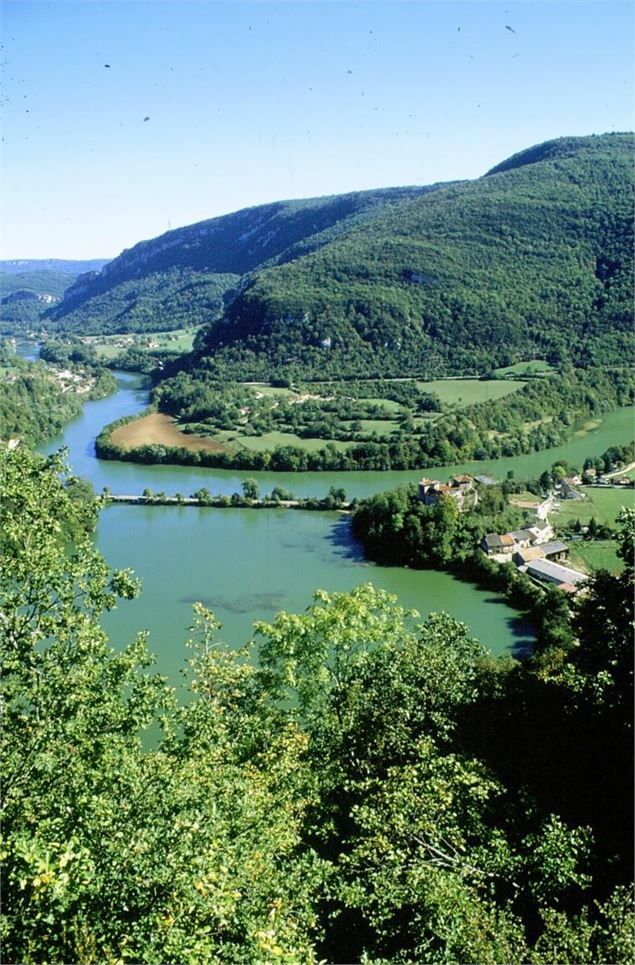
189,275
561,147
532,260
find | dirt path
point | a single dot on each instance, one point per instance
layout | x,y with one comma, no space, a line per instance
620,472
160,429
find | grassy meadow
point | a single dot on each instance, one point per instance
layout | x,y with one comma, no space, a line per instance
599,554
383,424
464,392
535,367
109,346
604,504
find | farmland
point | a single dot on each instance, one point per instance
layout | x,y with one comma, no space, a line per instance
601,503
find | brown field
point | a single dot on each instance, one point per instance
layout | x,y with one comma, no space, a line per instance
160,429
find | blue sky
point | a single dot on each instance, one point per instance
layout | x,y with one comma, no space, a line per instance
249,102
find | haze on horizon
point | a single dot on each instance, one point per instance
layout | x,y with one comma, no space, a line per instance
123,119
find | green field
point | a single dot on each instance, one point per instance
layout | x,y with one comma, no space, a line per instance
537,367
453,392
388,405
525,497
464,392
603,504
105,347
108,346
383,427
272,439
595,555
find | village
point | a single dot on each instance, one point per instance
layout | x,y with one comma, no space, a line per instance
534,550
65,379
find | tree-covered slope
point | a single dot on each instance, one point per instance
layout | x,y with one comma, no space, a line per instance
28,287
354,785
188,275
533,259
35,403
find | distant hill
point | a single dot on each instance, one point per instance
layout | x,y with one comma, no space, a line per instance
190,275
533,259
29,286
58,266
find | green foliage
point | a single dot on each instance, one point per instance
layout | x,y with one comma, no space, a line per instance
189,274
530,262
251,489
519,423
605,622
311,656
68,352
397,527
111,852
34,406
373,789
437,856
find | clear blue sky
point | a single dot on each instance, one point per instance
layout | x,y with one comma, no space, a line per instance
251,102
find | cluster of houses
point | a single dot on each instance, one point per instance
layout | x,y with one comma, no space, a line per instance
567,488
533,550
73,382
65,380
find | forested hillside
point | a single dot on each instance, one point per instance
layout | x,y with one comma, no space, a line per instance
28,287
189,275
532,260
35,403
353,786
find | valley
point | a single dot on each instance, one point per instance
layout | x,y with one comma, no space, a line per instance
259,463
317,495
246,564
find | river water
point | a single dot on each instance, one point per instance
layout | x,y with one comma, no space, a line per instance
248,564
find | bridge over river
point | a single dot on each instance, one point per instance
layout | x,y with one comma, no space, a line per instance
224,502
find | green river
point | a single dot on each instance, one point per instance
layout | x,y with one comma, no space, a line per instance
248,564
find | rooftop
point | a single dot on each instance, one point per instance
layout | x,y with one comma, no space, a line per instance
554,571
520,534
496,539
554,546
530,553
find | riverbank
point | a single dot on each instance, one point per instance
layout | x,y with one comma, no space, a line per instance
398,528
132,399
519,424
246,566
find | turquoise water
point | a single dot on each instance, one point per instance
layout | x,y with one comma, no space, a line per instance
130,478
246,565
